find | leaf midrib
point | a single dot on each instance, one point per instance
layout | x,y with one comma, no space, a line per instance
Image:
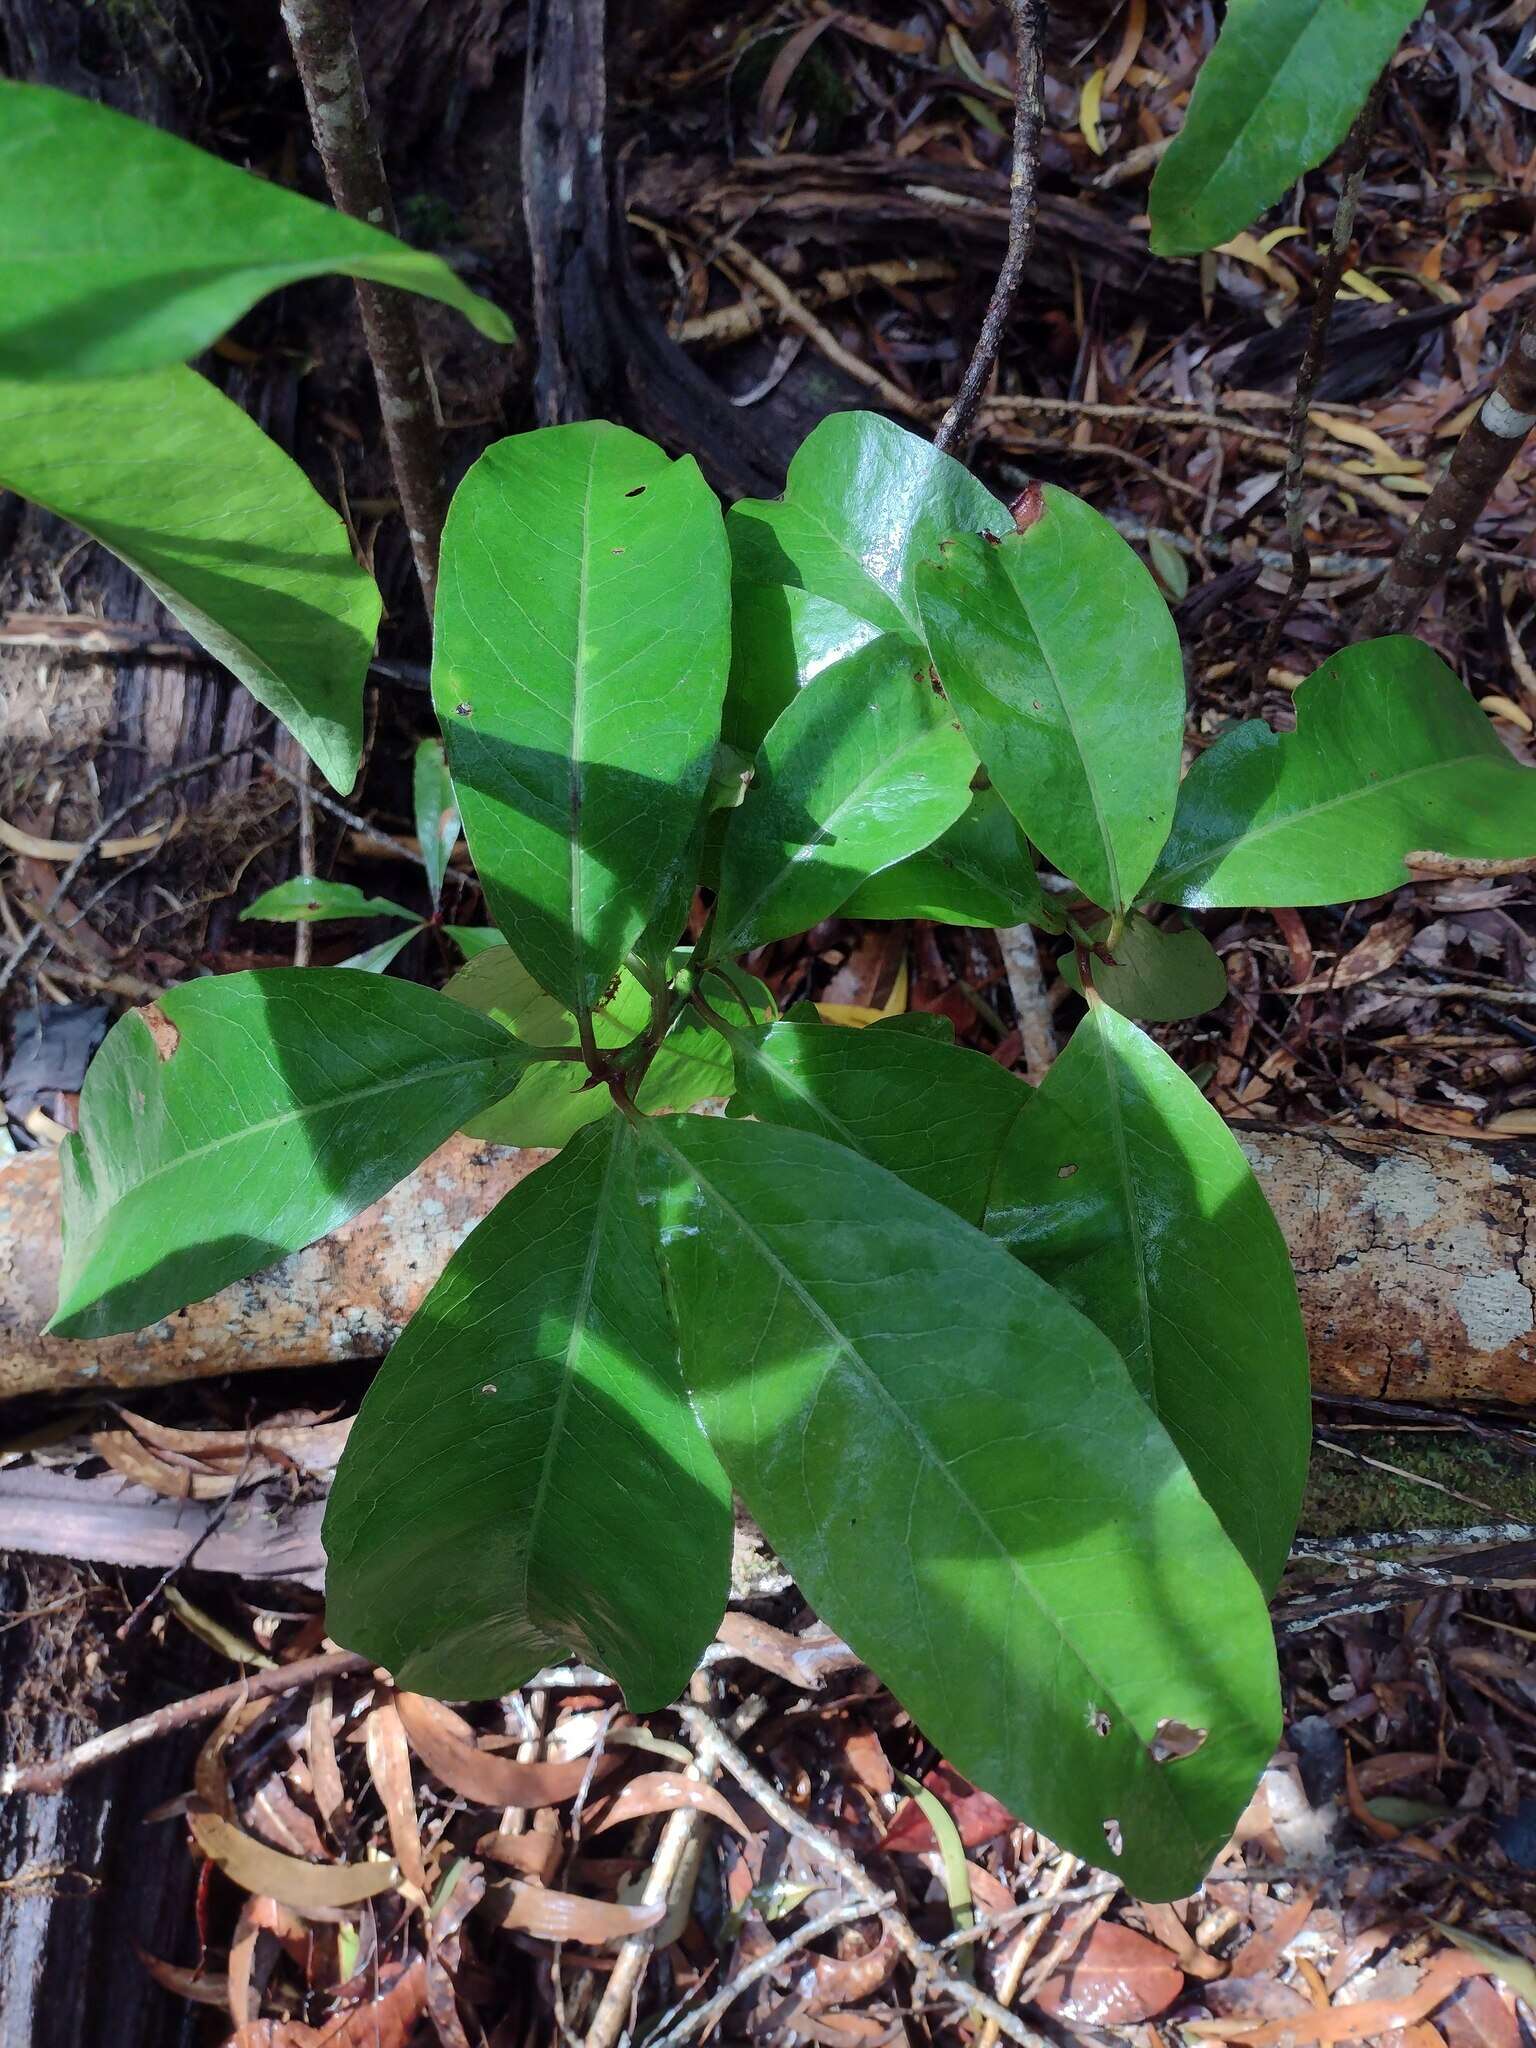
1214,856
1240,134
578,737
846,1348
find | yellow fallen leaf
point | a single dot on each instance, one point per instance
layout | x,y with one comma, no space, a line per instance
1088,112
1356,435
1364,287
1506,707
1249,249
1278,235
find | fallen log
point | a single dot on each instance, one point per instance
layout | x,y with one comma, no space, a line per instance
1415,1257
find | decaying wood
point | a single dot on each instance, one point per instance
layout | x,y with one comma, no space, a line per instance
1415,1256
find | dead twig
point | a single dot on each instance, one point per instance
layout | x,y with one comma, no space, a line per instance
1311,368
1026,984
933,1973
325,52
1028,17
1485,451
34,1780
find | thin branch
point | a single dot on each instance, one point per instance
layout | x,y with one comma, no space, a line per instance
1028,17
1356,152
325,52
1485,451
40,1778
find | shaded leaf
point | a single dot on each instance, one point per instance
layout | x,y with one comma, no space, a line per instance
1116,1979
437,813
935,1114
1157,973
864,767
781,637
1274,98
1058,652
582,645
269,1873
979,1817
1124,1188
979,872
243,1116
918,1488
228,533
128,249
864,502
1390,756
303,900
467,1544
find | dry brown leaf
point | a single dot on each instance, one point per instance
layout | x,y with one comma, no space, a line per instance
433,1732
804,1660
840,1980
304,1886
311,1443
1116,1978
136,1461
1260,1954
977,1815
1479,2017
565,1916
1350,2022
325,1782
202,1987
664,1792
386,2021
389,1765
1164,1925
531,1853
1382,947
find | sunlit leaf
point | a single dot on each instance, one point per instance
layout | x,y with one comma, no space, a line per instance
228,533
1390,756
527,1479
243,1116
583,641
1123,1187
1057,650
979,872
127,249
968,1488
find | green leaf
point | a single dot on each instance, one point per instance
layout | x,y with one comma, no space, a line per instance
554,1099
526,1479
864,502
229,534
127,249
934,1114
1274,98
437,813
1390,756
1159,974
780,638
241,1117
1059,654
304,900
583,640
472,939
374,959
866,766
1169,566
979,872
1124,1188
966,1485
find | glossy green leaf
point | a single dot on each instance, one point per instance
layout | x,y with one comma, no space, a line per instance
966,1485
526,1480
241,1117
934,1114
126,249
582,646
864,502
866,766
1059,654
979,872
1122,1186
1157,973
554,1099
304,900
781,637
1390,756
229,534
437,813
1275,97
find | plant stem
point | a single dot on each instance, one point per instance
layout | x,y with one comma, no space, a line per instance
1028,18
325,52
1485,451
1356,150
